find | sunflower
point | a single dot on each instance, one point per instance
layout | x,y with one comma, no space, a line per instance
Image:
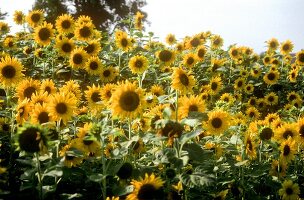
4,28
249,88
143,124
289,190
4,124
112,198
228,98
83,19
64,46
23,109
10,71
218,122
108,74
216,64
93,97
190,104
182,81
201,52
72,156
270,117
31,138
47,85
84,32
189,60
292,95
234,53
43,34
300,58
39,98
252,101
278,168
267,60
27,50
300,125
271,99
288,150
285,131
215,85
216,42
127,101
166,56
9,42
151,100
286,47
19,17
106,92
93,47
266,133
122,41
292,75
26,88
78,58
146,189
138,20
94,66
239,83
179,47
40,114
88,145
252,113
273,44
65,24
157,90
61,106
170,39
35,17
256,71
271,77
193,42
73,88
138,64
250,146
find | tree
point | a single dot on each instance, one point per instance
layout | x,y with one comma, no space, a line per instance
3,15
104,13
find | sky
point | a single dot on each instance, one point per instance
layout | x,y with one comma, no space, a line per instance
242,22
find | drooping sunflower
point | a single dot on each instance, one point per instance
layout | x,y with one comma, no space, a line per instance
127,101
10,71
215,85
285,131
123,41
166,56
273,44
84,32
271,77
300,58
190,104
64,46
288,150
93,66
216,42
78,58
19,17
47,85
35,17
286,47
44,33
146,189
189,60
93,47
138,64
31,138
182,80
26,88
289,190
271,99
170,39
65,24
250,146
61,106
22,111
40,114
218,122
108,74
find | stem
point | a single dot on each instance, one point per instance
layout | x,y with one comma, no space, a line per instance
104,169
129,123
39,176
260,151
176,107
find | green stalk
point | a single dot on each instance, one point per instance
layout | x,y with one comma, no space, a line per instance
39,176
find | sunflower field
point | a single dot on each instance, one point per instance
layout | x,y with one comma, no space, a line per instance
87,114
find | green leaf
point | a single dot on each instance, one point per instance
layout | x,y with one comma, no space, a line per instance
188,136
54,173
97,177
238,164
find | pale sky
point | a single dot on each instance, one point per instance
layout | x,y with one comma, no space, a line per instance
241,22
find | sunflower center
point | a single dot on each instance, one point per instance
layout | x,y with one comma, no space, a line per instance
85,32
29,91
47,89
240,84
43,117
201,53
266,133
8,71
286,150
90,48
106,73
184,79
214,86
61,108
77,58
139,64
28,140
146,192
10,44
19,18
35,17
129,101
271,99
234,52
44,34
286,47
292,97
124,42
193,108
301,57
69,157
249,144
271,76
190,61
216,41
216,122
109,94
93,65
66,24
267,59
66,47
287,134
95,97
301,131
195,42
273,44
87,142
165,55
289,191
